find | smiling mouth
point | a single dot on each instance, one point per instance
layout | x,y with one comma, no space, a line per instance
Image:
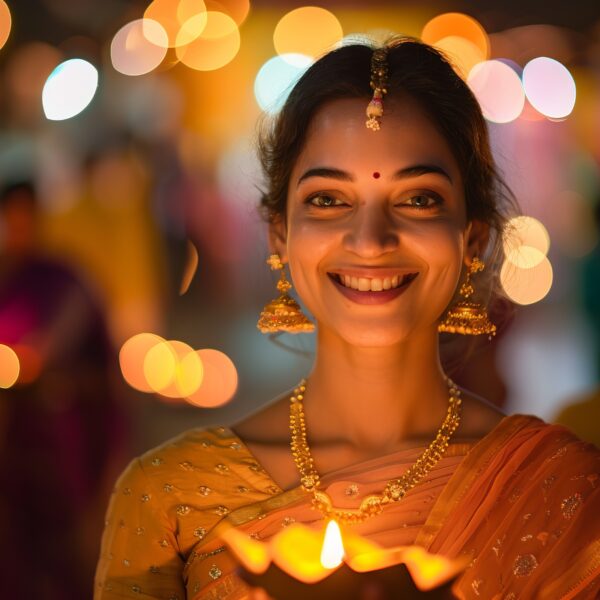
373,284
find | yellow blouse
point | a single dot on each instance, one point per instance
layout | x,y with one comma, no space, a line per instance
159,539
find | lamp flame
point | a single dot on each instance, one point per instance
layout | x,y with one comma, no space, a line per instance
332,553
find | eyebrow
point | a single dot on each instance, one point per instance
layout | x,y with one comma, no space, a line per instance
405,173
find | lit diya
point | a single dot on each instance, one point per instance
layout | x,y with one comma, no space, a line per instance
351,567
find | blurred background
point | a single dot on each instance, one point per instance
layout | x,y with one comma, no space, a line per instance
132,253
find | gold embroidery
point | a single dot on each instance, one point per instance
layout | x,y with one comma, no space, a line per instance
570,505
215,572
524,565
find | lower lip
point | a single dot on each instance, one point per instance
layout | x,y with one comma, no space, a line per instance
371,297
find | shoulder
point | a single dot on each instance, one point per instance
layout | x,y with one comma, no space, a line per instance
193,459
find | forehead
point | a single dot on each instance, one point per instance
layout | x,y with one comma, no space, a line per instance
337,136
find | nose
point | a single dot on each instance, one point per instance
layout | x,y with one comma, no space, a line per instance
372,232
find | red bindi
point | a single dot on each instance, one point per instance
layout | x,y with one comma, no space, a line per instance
376,175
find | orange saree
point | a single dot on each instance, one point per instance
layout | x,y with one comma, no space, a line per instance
523,503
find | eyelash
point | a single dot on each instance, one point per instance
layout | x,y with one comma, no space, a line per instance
437,200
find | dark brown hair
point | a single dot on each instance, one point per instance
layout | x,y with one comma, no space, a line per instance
426,75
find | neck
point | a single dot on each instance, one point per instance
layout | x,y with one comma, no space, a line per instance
375,398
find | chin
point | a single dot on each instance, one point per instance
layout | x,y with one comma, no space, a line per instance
371,334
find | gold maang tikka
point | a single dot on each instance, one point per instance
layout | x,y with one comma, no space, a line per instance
467,317
283,313
379,76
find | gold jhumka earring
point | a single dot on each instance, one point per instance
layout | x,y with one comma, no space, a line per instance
466,317
283,313
379,73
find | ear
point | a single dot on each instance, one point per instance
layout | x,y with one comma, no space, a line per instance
278,238
475,239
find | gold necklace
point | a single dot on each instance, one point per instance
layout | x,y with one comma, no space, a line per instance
395,489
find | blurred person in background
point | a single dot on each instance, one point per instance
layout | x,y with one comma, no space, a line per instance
62,426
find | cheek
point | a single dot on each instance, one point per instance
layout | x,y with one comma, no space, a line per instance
307,245
442,249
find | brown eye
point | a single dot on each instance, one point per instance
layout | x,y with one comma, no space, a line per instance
422,201
324,201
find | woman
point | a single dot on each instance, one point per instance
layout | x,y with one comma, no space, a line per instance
385,229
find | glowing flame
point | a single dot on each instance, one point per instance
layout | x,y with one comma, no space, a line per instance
332,553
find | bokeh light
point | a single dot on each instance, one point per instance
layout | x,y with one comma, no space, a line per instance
131,359
220,380
237,9
525,257
173,369
457,25
463,53
550,87
498,90
173,16
526,286
9,366
139,47
217,45
69,89
5,22
276,78
307,30
525,231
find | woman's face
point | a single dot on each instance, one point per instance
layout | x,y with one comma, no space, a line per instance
376,229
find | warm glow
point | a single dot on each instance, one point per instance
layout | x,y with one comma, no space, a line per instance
332,552
550,87
173,369
308,30
172,15
297,551
498,90
253,555
276,78
457,25
9,366
218,44
5,22
132,52
131,359
526,286
427,570
220,380
525,230
463,53
69,89
191,266
237,9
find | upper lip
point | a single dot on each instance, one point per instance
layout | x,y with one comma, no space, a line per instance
373,272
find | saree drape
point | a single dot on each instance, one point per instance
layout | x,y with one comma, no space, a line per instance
523,503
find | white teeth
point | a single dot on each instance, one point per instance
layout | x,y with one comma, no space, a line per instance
365,284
